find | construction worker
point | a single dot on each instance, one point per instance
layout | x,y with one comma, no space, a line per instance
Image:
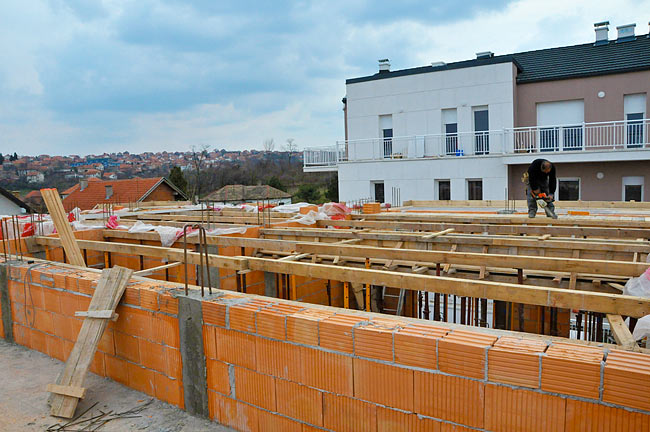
540,183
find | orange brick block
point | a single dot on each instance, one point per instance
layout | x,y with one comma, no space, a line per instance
152,355
384,384
168,304
117,369
51,300
273,422
214,313
515,361
242,316
627,379
54,347
149,299
374,341
68,303
415,345
174,363
302,327
236,348
449,398
166,331
98,365
61,326
169,390
255,388
131,296
43,321
507,409
463,353
336,332
572,369
214,406
299,402
136,322
342,413
107,342
218,378
389,420
127,347
38,341
238,415
34,297
209,342
271,323
279,359
326,371
141,379
590,417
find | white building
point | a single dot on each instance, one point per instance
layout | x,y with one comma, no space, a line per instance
466,130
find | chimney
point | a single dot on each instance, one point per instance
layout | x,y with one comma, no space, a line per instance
109,191
83,184
602,33
484,54
626,33
384,66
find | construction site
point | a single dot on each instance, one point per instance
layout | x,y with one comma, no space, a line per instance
433,316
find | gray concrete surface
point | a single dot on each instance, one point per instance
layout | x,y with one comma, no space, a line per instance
24,374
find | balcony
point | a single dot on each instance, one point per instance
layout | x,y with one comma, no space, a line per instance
565,139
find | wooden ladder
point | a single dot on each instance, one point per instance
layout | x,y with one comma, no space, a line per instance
388,292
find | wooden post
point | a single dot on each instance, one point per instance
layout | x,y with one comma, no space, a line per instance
368,288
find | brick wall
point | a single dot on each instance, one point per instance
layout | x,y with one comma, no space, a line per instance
281,365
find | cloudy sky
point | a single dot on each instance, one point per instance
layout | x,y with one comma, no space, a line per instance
88,76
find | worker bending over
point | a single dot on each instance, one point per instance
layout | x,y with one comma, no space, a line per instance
540,181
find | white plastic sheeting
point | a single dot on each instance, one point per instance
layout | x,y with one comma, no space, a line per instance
169,235
640,287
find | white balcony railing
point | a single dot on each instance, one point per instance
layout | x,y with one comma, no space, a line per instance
602,136
605,136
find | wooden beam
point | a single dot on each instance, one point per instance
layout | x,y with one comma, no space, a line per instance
621,332
76,392
169,254
577,265
496,229
109,290
542,296
153,270
438,234
60,219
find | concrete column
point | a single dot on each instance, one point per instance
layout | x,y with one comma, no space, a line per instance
5,303
270,285
195,384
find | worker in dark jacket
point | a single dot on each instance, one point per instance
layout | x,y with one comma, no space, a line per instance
540,180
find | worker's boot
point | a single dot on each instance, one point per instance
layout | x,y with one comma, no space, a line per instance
532,213
550,213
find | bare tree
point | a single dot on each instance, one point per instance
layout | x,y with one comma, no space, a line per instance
268,145
198,157
291,147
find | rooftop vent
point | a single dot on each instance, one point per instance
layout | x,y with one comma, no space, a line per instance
625,33
384,65
484,54
109,191
438,63
602,32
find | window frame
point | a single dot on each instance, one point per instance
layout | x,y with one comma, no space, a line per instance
467,182
557,187
437,190
633,181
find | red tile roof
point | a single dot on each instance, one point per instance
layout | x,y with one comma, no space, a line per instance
130,190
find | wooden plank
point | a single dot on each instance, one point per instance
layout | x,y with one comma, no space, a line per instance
60,219
170,254
447,266
438,234
76,392
107,295
542,296
621,332
153,270
496,229
105,314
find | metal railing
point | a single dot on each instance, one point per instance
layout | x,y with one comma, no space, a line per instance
617,135
603,136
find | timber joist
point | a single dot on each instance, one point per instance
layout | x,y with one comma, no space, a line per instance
559,231
542,296
508,220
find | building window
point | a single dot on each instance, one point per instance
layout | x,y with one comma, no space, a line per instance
481,134
634,131
474,189
450,128
386,131
444,189
633,188
378,191
569,189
